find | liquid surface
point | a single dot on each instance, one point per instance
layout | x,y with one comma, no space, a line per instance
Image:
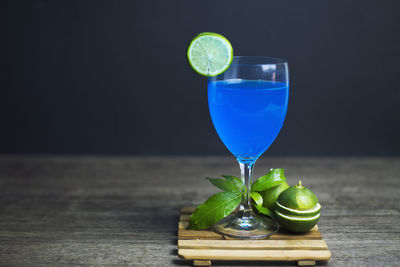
247,115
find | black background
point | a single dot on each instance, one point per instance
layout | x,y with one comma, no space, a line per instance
111,77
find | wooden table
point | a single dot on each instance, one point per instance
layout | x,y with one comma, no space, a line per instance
124,210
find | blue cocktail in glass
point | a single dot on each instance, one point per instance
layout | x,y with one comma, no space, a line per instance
248,104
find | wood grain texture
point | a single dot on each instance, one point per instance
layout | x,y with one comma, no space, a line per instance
306,263
118,211
251,255
194,234
184,223
253,244
201,263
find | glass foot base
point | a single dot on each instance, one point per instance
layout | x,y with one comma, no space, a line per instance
247,225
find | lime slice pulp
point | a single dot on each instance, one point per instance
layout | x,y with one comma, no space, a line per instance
210,54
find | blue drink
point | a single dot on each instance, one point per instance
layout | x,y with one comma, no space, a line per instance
248,104
247,115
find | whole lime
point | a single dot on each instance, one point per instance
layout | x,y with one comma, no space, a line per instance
271,195
297,209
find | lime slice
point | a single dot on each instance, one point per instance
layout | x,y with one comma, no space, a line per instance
210,54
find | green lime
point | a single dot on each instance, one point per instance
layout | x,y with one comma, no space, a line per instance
297,209
210,54
271,195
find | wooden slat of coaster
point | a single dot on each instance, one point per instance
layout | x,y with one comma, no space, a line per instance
194,234
184,218
253,244
187,210
185,225
201,263
207,234
299,263
254,255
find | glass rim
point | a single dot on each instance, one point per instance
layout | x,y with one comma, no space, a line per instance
258,61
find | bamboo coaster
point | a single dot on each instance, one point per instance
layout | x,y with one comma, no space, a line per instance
205,246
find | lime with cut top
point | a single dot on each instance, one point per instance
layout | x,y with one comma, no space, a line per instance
297,209
210,54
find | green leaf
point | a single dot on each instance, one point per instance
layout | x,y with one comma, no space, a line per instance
237,181
273,178
257,198
263,210
225,185
214,209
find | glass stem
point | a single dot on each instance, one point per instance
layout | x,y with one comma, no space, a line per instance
246,170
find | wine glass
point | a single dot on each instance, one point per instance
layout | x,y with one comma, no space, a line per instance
248,104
